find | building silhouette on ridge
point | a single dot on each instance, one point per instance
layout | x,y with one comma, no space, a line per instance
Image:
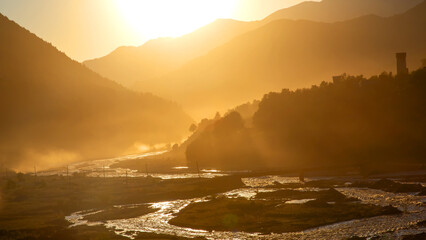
401,63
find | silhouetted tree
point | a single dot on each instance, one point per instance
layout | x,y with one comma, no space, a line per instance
382,119
351,122
226,144
193,128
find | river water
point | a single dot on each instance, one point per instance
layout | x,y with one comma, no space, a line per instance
102,168
393,226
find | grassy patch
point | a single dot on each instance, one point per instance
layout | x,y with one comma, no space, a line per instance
391,186
330,195
225,214
43,202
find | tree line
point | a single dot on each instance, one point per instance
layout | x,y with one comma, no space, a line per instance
352,121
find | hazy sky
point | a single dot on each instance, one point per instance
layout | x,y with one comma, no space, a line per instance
86,29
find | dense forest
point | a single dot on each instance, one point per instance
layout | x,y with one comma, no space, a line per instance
352,121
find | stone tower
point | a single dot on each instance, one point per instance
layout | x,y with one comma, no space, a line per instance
401,64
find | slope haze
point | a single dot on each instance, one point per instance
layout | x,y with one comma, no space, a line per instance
56,110
139,67
132,66
294,54
341,10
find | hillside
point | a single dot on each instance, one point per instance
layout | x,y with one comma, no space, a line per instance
133,65
139,67
293,54
375,124
341,10
55,108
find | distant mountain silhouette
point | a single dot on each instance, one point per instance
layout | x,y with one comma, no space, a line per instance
341,10
130,65
140,66
52,106
294,54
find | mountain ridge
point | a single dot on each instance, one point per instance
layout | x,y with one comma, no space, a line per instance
341,10
53,105
285,50
137,67
159,56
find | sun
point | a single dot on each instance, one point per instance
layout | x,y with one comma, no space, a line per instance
172,18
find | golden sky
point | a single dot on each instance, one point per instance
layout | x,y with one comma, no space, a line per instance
86,29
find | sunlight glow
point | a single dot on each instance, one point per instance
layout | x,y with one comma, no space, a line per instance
171,18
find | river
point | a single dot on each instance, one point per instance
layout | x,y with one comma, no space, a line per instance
392,226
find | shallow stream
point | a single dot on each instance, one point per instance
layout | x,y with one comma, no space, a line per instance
393,226
102,168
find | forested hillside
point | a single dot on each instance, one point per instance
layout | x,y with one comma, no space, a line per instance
352,121
55,108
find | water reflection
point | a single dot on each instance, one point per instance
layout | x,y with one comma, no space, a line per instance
77,218
271,180
391,226
97,168
102,168
301,201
